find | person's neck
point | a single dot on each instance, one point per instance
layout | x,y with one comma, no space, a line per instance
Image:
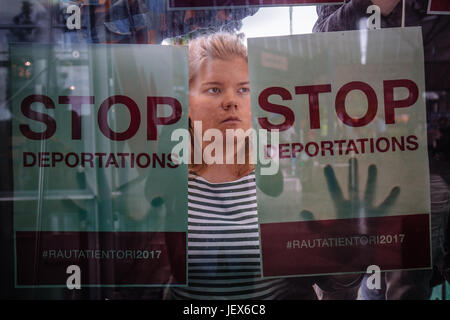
216,173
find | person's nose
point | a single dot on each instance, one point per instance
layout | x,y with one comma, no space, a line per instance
229,100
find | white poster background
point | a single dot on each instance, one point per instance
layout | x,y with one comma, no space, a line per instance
337,58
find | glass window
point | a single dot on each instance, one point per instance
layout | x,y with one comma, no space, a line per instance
86,159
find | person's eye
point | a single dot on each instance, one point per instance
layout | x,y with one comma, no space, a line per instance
244,90
214,90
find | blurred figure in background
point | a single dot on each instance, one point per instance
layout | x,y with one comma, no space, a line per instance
436,40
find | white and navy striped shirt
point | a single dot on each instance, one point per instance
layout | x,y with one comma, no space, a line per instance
223,243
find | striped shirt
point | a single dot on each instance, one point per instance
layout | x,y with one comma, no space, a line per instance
223,243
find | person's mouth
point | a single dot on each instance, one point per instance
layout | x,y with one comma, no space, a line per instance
231,120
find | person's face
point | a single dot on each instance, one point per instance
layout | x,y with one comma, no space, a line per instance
219,95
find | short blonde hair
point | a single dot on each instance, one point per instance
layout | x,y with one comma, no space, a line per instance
222,46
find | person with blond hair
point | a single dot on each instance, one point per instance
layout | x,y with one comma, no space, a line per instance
224,260
223,242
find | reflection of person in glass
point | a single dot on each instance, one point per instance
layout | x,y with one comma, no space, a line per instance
223,248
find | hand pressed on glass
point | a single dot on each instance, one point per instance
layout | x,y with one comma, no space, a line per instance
354,207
